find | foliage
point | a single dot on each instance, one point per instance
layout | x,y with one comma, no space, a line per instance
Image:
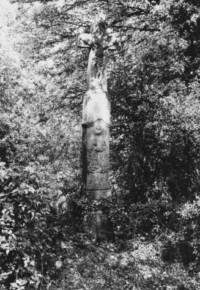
137,266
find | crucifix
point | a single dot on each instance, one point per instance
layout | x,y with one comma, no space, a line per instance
96,117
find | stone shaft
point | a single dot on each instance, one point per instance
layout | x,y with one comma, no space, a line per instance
96,123
96,159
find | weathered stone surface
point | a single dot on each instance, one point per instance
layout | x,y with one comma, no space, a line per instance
96,105
97,222
96,122
96,156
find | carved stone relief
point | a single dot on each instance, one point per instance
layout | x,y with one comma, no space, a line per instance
97,147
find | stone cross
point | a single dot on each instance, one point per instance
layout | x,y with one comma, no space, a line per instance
99,41
96,119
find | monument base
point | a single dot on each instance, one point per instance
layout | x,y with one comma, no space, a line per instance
98,226
96,221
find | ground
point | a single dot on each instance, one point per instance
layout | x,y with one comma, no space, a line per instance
133,265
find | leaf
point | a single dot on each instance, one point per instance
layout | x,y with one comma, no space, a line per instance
58,264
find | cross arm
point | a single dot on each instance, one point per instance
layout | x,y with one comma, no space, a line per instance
114,42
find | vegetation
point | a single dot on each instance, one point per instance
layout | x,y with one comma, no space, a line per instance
155,148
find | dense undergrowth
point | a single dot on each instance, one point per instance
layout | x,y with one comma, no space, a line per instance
156,246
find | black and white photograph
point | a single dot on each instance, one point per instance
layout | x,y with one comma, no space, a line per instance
99,144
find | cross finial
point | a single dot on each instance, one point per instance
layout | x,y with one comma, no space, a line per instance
99,40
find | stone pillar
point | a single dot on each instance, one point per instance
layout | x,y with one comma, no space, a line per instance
95,158
96,124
